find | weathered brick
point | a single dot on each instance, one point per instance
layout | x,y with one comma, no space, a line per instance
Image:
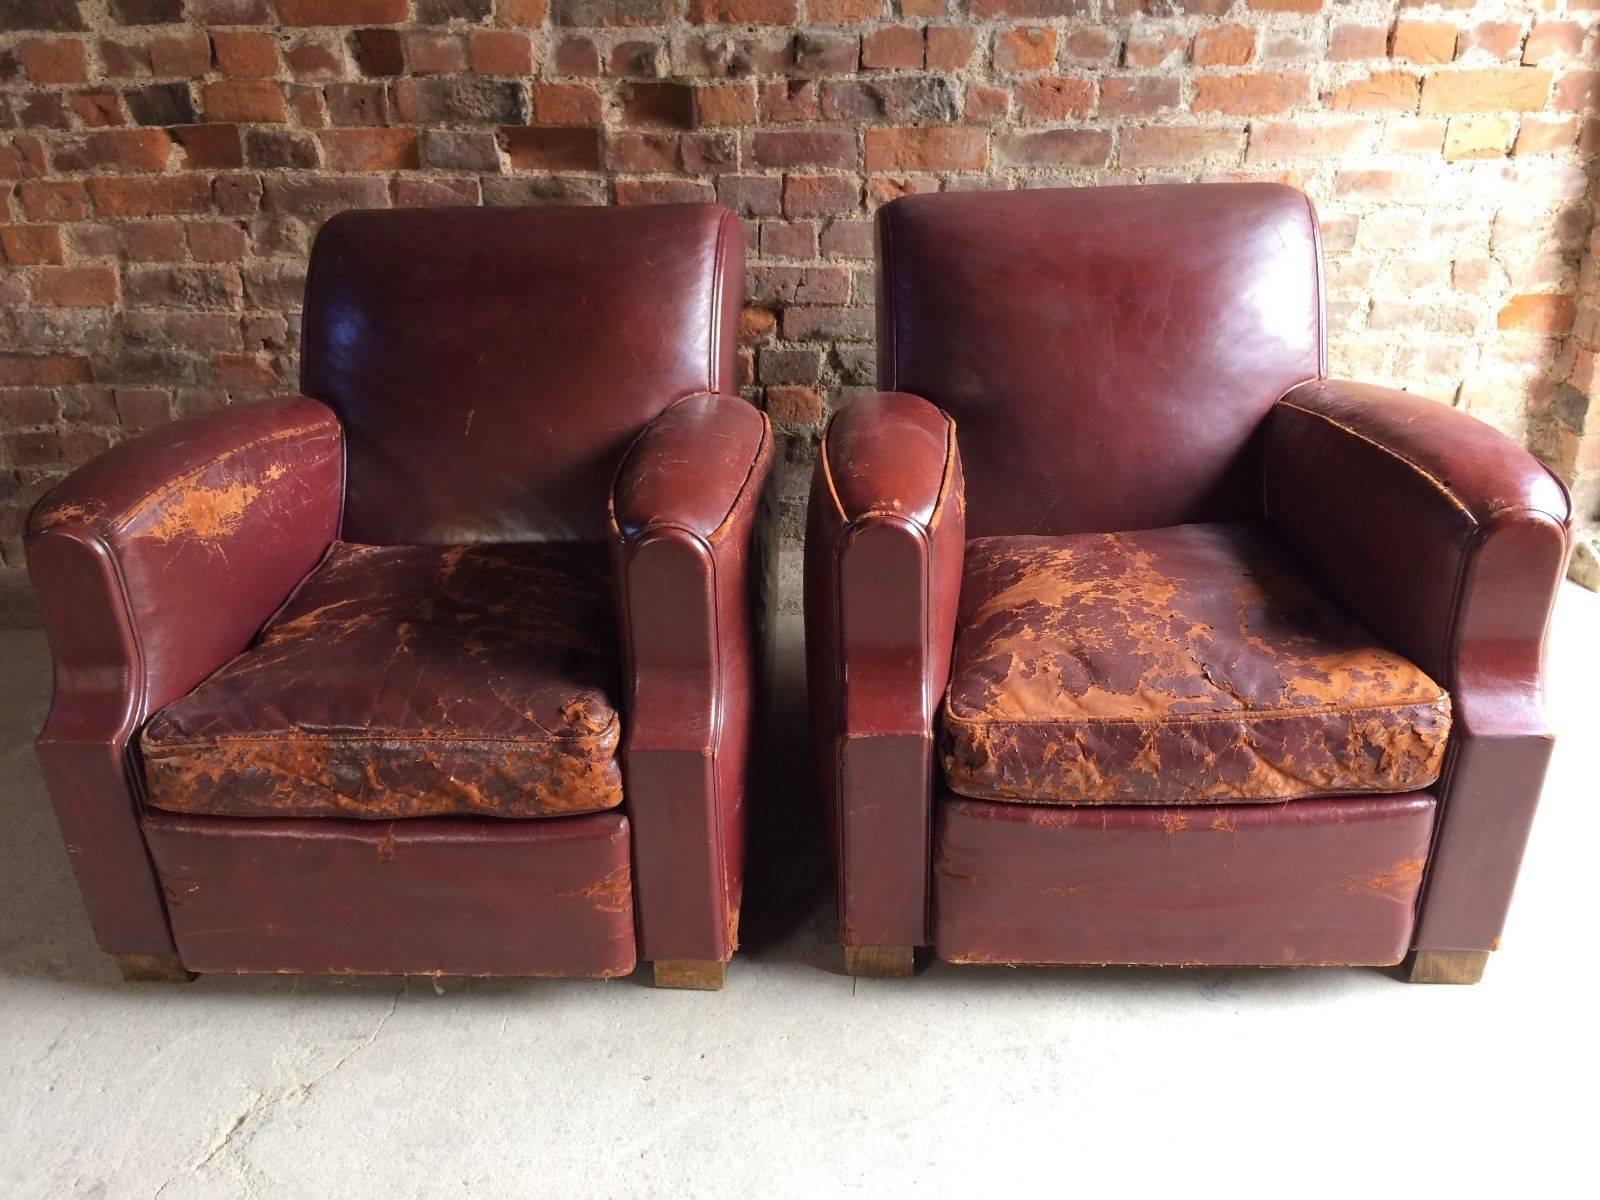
243,101
75,287
1250,95
369,149
726,104
932,149
1478,137
532,148
245,53
1055,147
1423,41
1508,89
1026,48
1224,46
1138,97
1550,315
501,52
819,195
894,47
804,148
343,12
1176,145
1384,91
143,197
54,60
30,245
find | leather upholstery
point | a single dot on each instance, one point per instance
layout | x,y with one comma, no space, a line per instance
1108,353
1139,359
484,372
884,542
508,356
155,564
686,509
1466,594
1326,881
411,681
1191,665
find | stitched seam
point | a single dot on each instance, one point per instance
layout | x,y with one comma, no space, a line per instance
1442,487
1201,718
744,485
946,478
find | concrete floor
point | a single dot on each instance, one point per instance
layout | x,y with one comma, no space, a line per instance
796,1080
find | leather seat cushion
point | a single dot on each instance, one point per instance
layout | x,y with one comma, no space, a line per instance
1187,665
410,681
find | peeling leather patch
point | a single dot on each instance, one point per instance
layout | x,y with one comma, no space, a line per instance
411,681
1186,665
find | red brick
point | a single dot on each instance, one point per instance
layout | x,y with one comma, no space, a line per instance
1027,48
501,52
894,47
1224,46
1056,99
524,14
1286,6
661,105
1577,91
1385,91
1176,145
30,245
726,104
1349,43
1135,96
1546,135
54,200
986,103
1538,313
577,56
804,148
744,12
42,370
431,53
1250,95
244,102
567,104
133,150
532,148
1491,39
1089,47
931,149
99,108
245,53
835,12
1494,89
343,12
75,287
147,197
1153,47
790,406
152,241
54,60
819,195
788,239
369,149
180,56
1423,41
1054,147
1478,137
209,146
217,241
245,373
950,48
1549,40
1296,141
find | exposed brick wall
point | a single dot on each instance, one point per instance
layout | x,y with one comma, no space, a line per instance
164,164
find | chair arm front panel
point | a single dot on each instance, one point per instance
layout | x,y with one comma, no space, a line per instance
154,565
1450,541
685,516
884,545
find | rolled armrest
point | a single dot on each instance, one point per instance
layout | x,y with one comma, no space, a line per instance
884,549
1399,504
685,522
155,564
1450,541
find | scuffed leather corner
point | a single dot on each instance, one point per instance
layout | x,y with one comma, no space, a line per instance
411,681
1174,666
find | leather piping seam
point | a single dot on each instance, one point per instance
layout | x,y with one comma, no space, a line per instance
946,481
118,522
1202,718
1439,485
720,254
1321,289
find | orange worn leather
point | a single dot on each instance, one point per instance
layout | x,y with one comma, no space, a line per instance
411,681
1187,665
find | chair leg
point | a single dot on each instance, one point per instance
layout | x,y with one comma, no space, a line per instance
690,974
878,961
152,968
1446,966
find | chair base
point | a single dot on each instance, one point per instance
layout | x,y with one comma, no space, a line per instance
1446,966
690,974
880,962
152,968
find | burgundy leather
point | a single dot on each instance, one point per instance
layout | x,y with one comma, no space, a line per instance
488,370
1329,881
883,571
1191,665
685,510
1450,541
491,365
444,896
411,681
153,566
1107,352
1122,359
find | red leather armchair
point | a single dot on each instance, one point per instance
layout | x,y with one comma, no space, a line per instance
446,666
1135,639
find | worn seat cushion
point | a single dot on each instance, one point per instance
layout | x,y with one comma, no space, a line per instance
410,681
1193,664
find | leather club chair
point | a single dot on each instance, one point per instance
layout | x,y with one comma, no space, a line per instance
448,665
1136,639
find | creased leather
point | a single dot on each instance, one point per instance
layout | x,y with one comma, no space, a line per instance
411,681
1174,666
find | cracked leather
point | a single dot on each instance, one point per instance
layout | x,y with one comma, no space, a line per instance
411,681
1189,665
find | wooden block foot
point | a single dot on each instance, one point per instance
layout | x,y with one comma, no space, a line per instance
152,968
691,974
1446,966
878,961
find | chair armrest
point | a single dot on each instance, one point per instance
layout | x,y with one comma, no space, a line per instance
1432,527
884,545
684,526
154,565
1450,541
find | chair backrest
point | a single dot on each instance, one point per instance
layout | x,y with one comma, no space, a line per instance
490,365
1108,354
